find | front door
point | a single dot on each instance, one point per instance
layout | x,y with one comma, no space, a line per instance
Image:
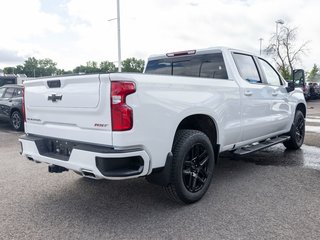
281,110
256,99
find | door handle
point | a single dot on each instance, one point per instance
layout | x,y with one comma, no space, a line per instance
248,93
274,94
10,100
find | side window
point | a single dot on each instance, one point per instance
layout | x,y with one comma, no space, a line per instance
8,93
247,67
271,75
212,66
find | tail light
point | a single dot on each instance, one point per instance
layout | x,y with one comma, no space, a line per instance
121,113
23,106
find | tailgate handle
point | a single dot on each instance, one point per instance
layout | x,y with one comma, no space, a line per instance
54,83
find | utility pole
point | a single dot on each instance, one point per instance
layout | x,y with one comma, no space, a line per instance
280,21
119,39
260,39
118,33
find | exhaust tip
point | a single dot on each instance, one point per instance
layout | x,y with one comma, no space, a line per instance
88,174
56,169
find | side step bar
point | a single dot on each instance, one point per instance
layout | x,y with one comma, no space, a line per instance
261,145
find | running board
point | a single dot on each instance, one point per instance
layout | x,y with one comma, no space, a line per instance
261,145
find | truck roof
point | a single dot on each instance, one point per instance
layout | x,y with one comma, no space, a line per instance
196,52
13,85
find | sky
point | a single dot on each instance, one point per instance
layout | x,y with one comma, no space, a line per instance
72,32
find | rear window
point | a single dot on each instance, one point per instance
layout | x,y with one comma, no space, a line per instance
205,65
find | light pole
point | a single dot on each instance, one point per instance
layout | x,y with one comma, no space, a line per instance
279,21
119,37
260,39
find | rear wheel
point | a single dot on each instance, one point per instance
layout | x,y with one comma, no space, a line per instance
297,132
17,121
192,166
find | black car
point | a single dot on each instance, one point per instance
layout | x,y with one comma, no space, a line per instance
11,105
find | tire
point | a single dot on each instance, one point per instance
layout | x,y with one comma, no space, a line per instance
17,121
297,132
192,166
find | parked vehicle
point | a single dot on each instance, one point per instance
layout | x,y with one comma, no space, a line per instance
300,82
314,90
168,124
5,80
11,105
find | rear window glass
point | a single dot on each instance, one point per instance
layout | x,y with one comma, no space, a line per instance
205,65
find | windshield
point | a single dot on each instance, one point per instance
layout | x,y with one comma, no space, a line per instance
1,92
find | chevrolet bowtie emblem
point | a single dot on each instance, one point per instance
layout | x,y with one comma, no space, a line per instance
54,97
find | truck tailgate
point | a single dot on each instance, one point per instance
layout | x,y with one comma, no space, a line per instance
73,108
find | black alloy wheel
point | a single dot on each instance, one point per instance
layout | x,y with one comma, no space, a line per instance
297,132
300,129
195,168
192,166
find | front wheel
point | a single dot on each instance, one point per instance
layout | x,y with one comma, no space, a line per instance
17,121
192,166
297,132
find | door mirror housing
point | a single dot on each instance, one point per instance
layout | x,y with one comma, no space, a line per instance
291,86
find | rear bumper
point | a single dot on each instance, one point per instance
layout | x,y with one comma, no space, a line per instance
100,162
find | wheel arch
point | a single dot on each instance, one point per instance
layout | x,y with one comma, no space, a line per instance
15,109
203,123
301,107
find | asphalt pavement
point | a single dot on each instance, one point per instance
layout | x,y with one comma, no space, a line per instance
313,123
271,194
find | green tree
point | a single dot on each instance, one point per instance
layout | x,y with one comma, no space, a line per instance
314,71
19,69
92,67
33,67
9,70
80,69
47,67
107,66
63,72
132,65
30,67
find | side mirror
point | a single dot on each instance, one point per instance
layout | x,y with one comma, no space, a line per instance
291,86
298,77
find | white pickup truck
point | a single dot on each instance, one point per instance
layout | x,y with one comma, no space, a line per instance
168,124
